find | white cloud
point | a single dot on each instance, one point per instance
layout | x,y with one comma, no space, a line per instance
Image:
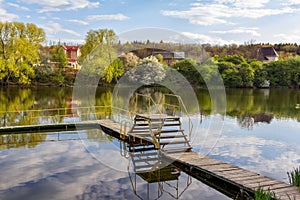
288,37
205,39
245,3
4,16
18,6
76,21
240,30
292,2
210,14
53,28
62,5
118,16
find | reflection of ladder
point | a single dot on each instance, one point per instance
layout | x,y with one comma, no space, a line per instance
163,131
149,166
144,157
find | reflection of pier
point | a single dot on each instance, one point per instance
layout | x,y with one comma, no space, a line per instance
149,165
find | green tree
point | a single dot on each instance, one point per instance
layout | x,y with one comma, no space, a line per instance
58,55
187,68
95,38
98,52
260,73
19,45
113,71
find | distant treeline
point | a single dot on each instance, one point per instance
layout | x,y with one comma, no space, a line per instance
25,61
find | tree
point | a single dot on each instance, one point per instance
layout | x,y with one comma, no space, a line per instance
95,38
129,60
98,52
187,68
19,45
113,71
149,72
58,55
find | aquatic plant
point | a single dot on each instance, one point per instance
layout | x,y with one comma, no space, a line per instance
261,194
294,177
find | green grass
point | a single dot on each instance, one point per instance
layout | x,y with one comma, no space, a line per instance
260,194
294,177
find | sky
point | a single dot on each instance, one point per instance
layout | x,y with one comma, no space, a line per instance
215,22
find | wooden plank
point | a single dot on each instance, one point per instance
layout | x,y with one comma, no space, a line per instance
265,184
251,179
289,189
274,186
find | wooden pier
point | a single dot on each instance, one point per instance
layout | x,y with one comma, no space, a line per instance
201,167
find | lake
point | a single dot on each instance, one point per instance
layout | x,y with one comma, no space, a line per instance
259,131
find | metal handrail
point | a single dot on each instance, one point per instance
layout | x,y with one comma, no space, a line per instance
150,100
30,115
180,102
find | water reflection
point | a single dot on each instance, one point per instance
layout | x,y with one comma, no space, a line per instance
64,169
280,103
248,121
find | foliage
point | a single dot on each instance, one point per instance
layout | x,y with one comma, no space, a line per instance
284,72
260,194
98,52
294,177
129,60
149,72
19,45
42,74
58,55
159,58
113,71
236,71
95,38
187,68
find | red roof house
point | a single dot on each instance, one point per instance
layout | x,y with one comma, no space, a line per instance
72,53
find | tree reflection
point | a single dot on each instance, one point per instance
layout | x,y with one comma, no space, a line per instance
28,140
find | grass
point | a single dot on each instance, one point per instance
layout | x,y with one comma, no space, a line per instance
260,194
294,177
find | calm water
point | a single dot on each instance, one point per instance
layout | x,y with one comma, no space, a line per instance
259,132
64,166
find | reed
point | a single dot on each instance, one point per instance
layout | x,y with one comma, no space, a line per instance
261,194
294,177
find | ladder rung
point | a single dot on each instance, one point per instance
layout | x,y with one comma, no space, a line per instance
139,131
177,149
174,142
171,136
170,131
142,149
146,124
177,124
146,153
144,159
143,166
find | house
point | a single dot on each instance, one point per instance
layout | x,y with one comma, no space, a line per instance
169,57
72,53
267,54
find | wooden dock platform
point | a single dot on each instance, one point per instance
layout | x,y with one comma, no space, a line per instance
49,127
246,180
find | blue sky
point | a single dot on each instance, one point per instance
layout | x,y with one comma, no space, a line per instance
215,22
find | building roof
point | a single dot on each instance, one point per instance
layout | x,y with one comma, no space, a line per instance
265,53
268,52
71,48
